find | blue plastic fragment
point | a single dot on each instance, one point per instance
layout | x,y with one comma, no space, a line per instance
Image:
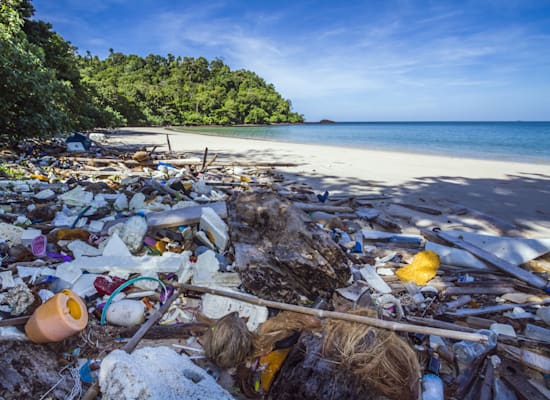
86,373
358,248
322,198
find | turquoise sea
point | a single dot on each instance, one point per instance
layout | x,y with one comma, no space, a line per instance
518,141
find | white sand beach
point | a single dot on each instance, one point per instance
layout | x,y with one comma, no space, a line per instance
511,192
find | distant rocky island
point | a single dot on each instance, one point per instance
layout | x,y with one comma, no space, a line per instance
326,121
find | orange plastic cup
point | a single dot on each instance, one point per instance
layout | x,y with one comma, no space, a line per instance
58,318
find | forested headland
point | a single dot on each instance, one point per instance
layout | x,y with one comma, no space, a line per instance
47,87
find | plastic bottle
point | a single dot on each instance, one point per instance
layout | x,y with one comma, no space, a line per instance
58,318
466,352
432,387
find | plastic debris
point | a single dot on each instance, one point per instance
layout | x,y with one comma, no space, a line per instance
58,318
126,313
423,268
156,372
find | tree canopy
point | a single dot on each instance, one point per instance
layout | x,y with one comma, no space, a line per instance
46,87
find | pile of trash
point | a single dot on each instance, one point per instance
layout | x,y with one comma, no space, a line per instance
131,274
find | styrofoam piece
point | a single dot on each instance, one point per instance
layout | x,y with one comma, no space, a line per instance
133,231
514,250
186,271
20,187
84,285
95,226
121,202
45,295
6,280
34,272
126,313
457,257
137,202
214,225
203,238
123,265
77,197
10,233
12,333
217,306
373,279
28,235
68,272
116,247
200,187
63,219
503,329
156,373
46,194
206,272
99,201
80,248
148,284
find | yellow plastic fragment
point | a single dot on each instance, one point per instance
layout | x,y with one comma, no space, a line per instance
160,246
245,179
270,365
40,177
423,268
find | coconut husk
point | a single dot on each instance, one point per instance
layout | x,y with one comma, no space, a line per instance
379,359
228,342
280,327
140,156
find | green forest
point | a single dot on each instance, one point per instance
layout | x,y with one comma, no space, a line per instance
47,87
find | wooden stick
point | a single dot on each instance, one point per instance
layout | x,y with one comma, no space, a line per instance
204,158
501,264
464,312
425,210
209,163
93,391
379,323
14,321
308,207
168,142
183,162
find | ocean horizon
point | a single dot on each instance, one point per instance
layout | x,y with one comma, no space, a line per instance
522,141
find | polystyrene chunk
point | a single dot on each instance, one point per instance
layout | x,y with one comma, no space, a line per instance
156,373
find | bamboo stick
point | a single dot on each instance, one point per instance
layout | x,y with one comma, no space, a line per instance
501,264
379,323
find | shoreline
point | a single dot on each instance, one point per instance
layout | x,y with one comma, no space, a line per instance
503,158
516,192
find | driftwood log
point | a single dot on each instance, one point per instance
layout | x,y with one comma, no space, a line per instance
282,256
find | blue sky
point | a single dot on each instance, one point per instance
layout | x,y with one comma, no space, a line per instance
391,60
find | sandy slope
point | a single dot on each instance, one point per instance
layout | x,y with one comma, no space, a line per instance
513,192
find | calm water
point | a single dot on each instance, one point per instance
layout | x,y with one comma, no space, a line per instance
520,141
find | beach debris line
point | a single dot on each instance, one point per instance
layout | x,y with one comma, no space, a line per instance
277,289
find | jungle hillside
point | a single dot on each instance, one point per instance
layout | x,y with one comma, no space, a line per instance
47,87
